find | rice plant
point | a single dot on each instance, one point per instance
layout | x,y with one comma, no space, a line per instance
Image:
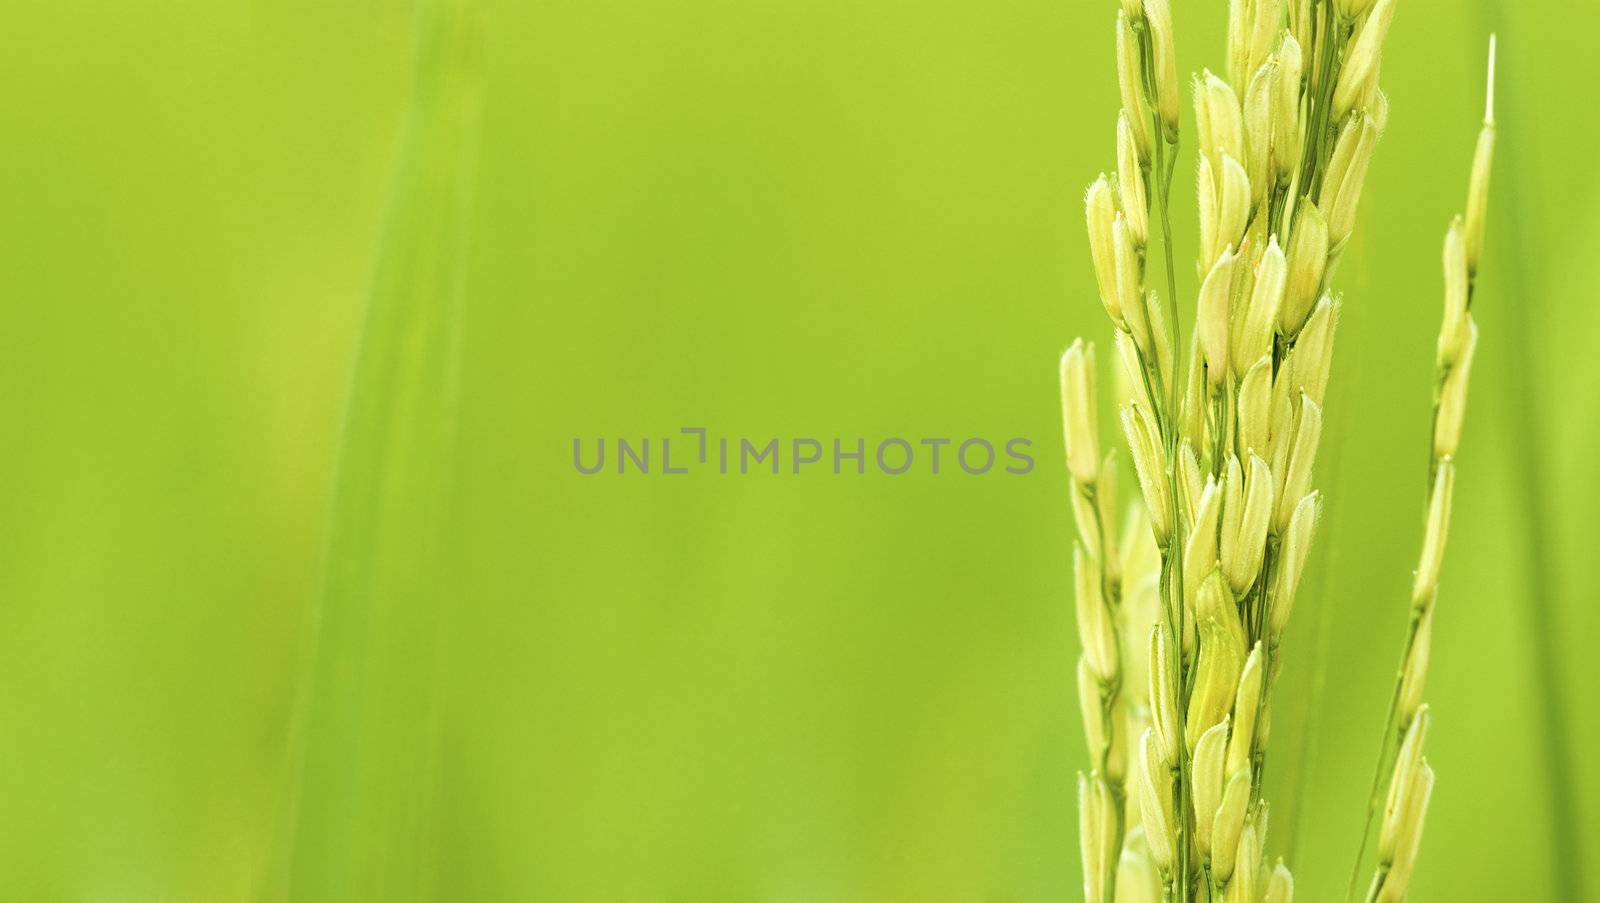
1224,440
1406,726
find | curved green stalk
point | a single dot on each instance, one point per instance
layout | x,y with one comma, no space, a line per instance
357,823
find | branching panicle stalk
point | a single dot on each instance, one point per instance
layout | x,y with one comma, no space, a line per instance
1224,442
1411,781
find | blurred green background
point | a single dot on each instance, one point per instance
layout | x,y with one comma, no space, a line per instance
783,218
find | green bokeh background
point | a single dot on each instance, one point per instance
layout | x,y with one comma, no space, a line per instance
783,218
